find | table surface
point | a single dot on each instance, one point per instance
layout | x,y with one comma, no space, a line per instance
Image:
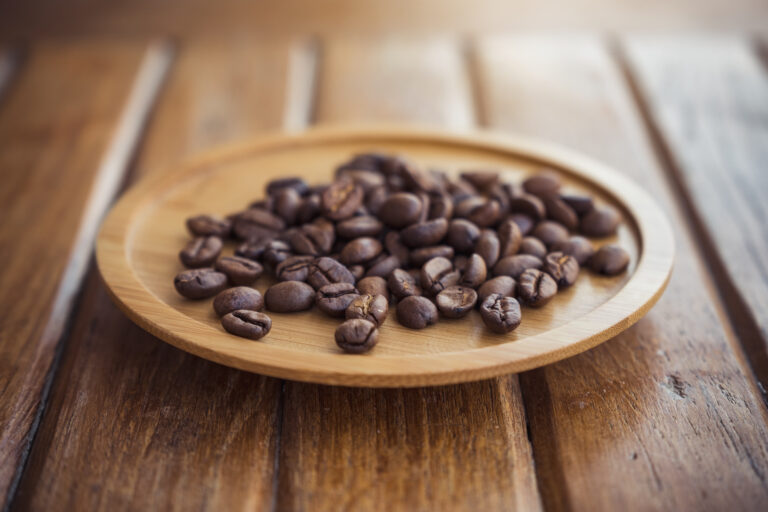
96,413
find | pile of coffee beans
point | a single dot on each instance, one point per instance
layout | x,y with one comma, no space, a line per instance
386,231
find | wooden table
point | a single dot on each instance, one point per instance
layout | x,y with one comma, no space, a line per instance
97,414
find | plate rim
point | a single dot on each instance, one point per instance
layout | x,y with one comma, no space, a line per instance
648,281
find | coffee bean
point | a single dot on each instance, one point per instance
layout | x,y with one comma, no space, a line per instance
479,210
501,314
239,297
460,262
475,272
400,210
423,254
360,250
313,239
373,286
424,234
276,252
239,270
438,274
384,267
510,238
542,185
488,247
289,297
295,268
309,209
550,232
252,250
355,227
559,211
341,199
515,265
609,260
297,184
481,180
524,222
403,284
462,235
535,288
416,312
199,283
456,301
358,271
440,206
257,223
373,308
576,246
365,179
356,336
209,225
333,299
395,247
582,205
324,271
527,204
201,251
563,268
503,285
417,179
600,222
286,203
247,324
533,246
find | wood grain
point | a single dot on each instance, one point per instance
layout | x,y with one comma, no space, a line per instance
665,415
134,423
708,98
409,449
57,104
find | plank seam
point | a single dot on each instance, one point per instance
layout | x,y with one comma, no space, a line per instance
301,85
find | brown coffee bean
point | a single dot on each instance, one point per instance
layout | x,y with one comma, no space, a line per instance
600,222
384,267
201,251
501,314
403,284
460,262
289,297
533,246
440,206
475,272
438,274
524,222
395,247
609,260
247,324
358,271
424,234
400,210
563,268
360,250
252,250
420,256
257,223
209,225
373,308
582,205
286,204
295,268
462,235
559,211
333,299
355,227
416,312
545,184
356,336
481,211
341,199
550,232
275,252
325,271
488,247
239,297
481,180
515,265
576,246
313,239
373,286
535,288
297,184
365,179
417,179
239,270
456,301
504,285
199,283
510,238
309,209
529,205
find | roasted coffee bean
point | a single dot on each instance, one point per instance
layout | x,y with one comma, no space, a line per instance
481,180
252,250
504,285
201,251
420,256
515,265
416,312
501,314
199,283
600,222
295,268
576,246
456,301
424,213
374,198
609,260
239,270
396,247
356,336
582,205
403,284
357,271
239,297
533,246
529,205
325,271
400,210
510,238
365,179
462,235
257,223
333,299
479,210
424,234
524,222
286,204
563,268
460,262
360,250
313,239
438,274
297,184
354,227
365,161
384,267
550,232
461,188
289,297
341,199
261,204
440,206
559,211
373,285
544,184
417,179
488,247
475,272
247,324
373,308
535,288
309,209
275,252
209,225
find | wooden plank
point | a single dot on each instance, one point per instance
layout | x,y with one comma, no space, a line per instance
444,448
708,98
664,416
55,125
135,423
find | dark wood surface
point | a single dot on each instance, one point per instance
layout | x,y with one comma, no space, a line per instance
667,416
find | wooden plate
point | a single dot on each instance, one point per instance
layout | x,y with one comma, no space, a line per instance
139,242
